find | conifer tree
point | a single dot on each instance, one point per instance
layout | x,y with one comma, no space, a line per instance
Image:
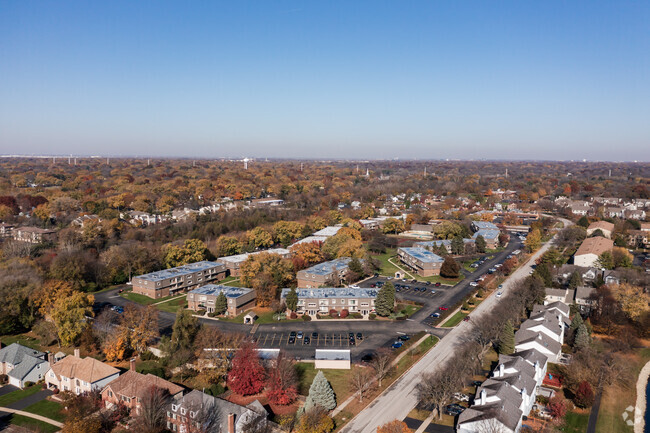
450,268
385,301
481,245
581,339
457,245
575,281
292,299
320,394
507,339
221,304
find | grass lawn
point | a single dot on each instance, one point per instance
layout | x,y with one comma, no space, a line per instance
454,320
387,268
19,394
576,422
263,316
228,280
441,280
409,309
141,299
32,424
173,305
339,379
48,409
25,340
235,282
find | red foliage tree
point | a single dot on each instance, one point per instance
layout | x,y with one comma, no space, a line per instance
344,313
557,406
281,386
247,374
334,313
584,396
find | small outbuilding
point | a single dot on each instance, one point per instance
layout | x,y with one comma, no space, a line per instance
332,359
249,318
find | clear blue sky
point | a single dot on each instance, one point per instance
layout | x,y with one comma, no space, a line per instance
357,79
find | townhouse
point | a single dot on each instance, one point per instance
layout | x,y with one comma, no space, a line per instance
6,230
239,299
590,250
321,301
22,364
605,227
323,273
79,375
423,262
33,235
233,263
181,278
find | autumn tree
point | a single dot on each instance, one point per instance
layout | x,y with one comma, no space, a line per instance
266,273
584,395
557,406
450,268
533,240
393,225
633,300
306,254
315,420
395,426
139,325
247,376
345,243
361,381
69,315
212,348
152,417
192,250
228,246
286,231
259,238
282,381
381,364
51,290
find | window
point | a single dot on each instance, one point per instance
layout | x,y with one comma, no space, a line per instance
183,411
342,301
52,374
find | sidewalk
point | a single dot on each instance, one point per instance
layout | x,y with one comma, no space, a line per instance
31,415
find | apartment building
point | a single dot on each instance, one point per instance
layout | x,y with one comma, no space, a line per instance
321,301
445,243
6,230
322,273
175,280
590,249
239,299
33,235
491,237
233,263
423,262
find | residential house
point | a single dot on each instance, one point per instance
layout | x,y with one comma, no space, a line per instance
614,212
6,230
645,227
321,301
584,298
239,299
181,278
22,364
308,239
79,375
547,322
188,413
638,238
82,220
561,295
499,416
324,273
549,347
142,218
564,273
369,224
634,214
131,387
423,262
33,235
605,227
580,209
233,263
590,250
328,231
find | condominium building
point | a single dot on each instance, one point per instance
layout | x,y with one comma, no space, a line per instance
239,299
33,235
182,278
423,262
321,301
322,273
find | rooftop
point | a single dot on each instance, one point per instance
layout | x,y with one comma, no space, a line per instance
332,354
215,289
328,231
596,245
485,225
487,233
333,292
180,270
422,255
603,225
327,268
238,258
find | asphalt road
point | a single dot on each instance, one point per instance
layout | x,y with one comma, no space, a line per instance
398,400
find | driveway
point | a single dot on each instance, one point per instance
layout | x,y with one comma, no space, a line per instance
7,389
30,400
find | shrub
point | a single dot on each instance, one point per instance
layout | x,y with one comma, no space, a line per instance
334,313
401,318
306,317
156,370
356,315
344,313
3,378
480,293
213,314
293,315
147,355
557,406
584,396
372,316
215,390
201,312
28,384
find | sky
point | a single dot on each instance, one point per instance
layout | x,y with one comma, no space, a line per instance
327,79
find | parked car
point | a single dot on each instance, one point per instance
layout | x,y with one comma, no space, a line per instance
306,340
499,294
477,383
292,340
443,308
314,335
454,409
292,334
435,315
473,284
359,336
500,286
498,265
351,335
438,284
352,343
461,397
466,319
433,292
300,335
368,357
397,344
404,337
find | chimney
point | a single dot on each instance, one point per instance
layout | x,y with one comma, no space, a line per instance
502,370
483,397
231,423
132,368
50,358
76,353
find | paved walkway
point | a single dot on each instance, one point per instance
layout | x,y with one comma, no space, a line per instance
30,415
593,415
30,400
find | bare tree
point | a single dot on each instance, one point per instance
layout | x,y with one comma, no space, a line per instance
436,390
361,381
206,419
257,424
152,414
381,364
490,425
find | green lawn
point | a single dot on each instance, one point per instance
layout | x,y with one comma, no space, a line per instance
173,305
410,310
232,282
454,320
32,424
339,379
30,342
19,394
262,317
387,268
48,409
575,422
142,299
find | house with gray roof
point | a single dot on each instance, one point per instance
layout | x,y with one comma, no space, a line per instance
500,416
551,348
167,282
22,364
584,298
491,237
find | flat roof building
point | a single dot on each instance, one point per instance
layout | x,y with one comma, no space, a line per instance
322,273
33,235
239,299
491,237
332,359
321,301
175,280
233,263
422,261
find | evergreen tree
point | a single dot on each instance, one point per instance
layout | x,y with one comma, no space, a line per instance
582,338
385,302
449,268
320,393
606,260
184,330
544,274
507,339
356,267
221,304
481,245
583,222
575,281
576,322
457,245
292,299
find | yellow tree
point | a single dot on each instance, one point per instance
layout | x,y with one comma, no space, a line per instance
534,240
192,250
69,316
394,427
266,273
140,324
45,297
633,300
307,254
259,238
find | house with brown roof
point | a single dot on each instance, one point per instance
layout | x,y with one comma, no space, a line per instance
605,227
79,375
131,387
590,249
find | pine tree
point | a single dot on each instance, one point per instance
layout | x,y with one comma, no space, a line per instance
457,245
292,300
507,339
184,330
575,281
356,266
321,393
581,339
385,302
221,304
481,245
544,274
583,222
576,322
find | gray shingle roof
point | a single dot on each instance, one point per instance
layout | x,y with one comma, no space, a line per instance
505,412
27,364
14,353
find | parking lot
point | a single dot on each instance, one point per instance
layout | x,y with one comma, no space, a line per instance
284,339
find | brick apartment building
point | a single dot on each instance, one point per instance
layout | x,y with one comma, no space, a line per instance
239,299
321,301
423,262
175,280
322,273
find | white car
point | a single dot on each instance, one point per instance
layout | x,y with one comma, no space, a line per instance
473,284
498,265
499,294
461,397
354,286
